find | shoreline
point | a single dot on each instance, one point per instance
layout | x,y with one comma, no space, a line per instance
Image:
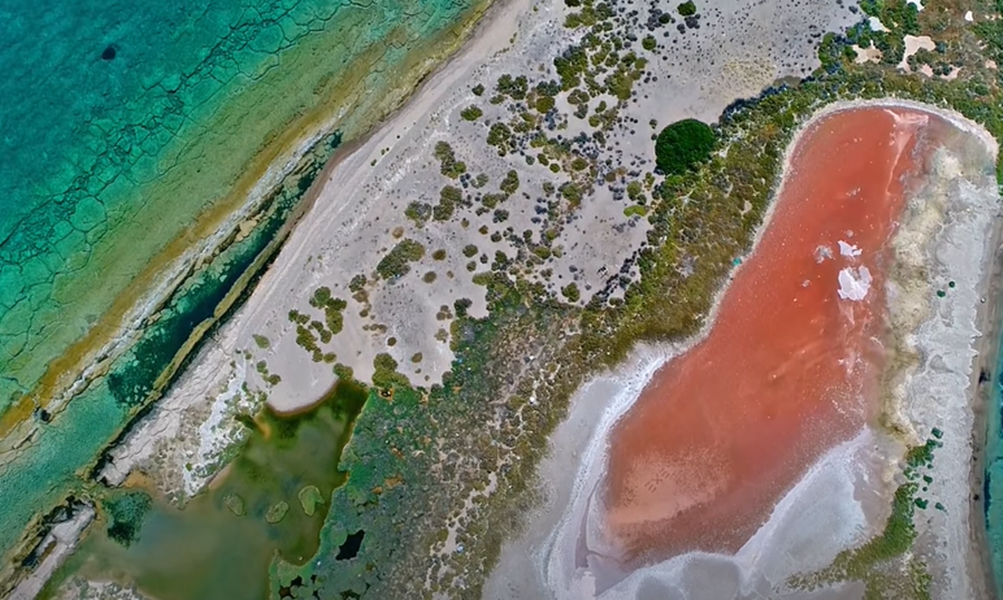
275,161
200,378
262,184
988,353
340,180
544,556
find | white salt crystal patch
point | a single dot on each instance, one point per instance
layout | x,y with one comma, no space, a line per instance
848,249
854,283
822,253
969,17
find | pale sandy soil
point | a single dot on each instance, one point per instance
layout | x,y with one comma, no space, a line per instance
846,494
950,233
733,54
914,44
868,54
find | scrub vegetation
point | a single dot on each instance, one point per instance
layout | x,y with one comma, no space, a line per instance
418,452
397,262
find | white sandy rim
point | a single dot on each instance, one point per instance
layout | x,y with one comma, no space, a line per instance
650,360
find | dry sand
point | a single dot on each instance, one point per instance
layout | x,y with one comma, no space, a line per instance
838,494
359,206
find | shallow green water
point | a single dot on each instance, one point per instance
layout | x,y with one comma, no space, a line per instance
63,448
993,481
126,123
122,121
221,544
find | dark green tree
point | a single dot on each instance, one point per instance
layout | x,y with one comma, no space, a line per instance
683,145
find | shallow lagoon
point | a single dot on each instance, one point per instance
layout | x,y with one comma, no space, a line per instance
132,133
221,544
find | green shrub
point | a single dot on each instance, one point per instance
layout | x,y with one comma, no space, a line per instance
687,9
515,87
510,183
572,193
396,263
471,113
449,197
492,200
683,145
500,136
448,165
419,212
357,283
462,306
571,292
385,373
544,104
635,211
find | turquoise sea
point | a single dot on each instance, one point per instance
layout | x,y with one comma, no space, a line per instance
129,133
992,489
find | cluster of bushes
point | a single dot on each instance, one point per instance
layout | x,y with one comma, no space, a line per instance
397,262
449,198
419,212
332,307
385,375
513,87
448,165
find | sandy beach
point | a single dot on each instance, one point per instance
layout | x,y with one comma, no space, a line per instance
360,205
980,570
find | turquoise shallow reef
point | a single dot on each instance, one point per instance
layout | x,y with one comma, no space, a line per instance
132,134
993,481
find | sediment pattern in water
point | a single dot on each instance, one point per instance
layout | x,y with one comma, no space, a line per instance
791,365
134,135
